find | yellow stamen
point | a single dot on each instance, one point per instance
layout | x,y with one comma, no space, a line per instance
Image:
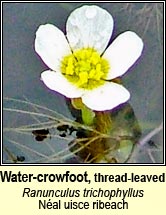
85,68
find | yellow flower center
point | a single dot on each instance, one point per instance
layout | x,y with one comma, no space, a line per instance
85,68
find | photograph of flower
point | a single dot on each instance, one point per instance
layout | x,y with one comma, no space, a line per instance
83,83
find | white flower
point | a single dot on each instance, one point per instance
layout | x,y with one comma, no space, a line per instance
79,64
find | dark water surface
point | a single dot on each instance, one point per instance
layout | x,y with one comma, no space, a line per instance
21,80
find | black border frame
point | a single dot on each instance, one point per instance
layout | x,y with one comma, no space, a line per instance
82,164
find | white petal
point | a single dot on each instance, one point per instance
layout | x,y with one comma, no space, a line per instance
123,53
57,82
106,97
51,45
89,26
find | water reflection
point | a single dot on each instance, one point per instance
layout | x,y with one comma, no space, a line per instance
116,132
